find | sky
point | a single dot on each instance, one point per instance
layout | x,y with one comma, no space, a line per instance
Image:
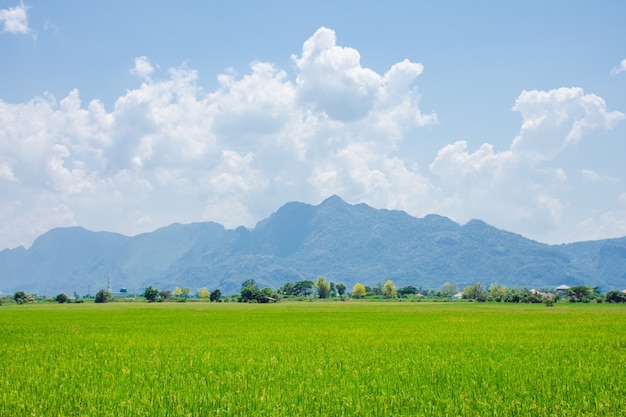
127,116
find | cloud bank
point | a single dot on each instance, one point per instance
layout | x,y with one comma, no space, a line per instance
170,151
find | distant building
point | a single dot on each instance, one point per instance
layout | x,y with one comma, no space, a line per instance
561,289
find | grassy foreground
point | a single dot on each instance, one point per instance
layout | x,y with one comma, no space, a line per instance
312,359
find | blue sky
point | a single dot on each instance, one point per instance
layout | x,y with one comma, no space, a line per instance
128,116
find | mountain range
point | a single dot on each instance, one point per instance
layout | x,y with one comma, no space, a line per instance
342,242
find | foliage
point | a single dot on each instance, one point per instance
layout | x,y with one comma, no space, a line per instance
203,293
249,283
103,296
497,293
615,296
341,289
303,288
61,298
581,294
323,287
215,295
549,301
358,291
21,297
389,290
252,294
286,289
408,290
151,294
448,289
165,294
183,293
395,359
475,292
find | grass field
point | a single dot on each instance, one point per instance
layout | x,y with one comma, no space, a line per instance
312,359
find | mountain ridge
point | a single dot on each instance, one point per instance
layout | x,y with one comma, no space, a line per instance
343,242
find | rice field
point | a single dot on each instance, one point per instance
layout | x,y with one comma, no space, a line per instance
312,359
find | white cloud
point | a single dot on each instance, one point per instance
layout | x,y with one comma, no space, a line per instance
15,19
514,187
592,176
143,68
169,151
620,68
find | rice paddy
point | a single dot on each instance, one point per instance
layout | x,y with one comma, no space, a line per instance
312,359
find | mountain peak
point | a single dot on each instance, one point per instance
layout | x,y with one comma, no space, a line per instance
333,200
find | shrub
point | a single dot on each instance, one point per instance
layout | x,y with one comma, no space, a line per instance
103,296
61,298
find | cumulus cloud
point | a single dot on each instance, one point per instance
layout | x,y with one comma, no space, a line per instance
620,68
516,186
170,151
15,19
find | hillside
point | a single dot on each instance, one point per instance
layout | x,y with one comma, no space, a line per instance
343,242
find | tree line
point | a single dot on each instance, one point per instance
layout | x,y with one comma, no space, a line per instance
322,288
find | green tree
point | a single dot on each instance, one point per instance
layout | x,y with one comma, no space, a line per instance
61,298
151,294
475,292
581,293
615,296
21,297
249,283
103,296
303,288
497,292
323,287
358,291
341,289
408,290
286,288
389,290
249,294
215,295
448,289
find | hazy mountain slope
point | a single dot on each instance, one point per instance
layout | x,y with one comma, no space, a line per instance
343,242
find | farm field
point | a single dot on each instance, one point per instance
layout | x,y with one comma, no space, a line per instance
312,359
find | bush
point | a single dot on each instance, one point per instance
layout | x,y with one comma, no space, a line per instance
21,297
61,298
103,296
615,296
151,294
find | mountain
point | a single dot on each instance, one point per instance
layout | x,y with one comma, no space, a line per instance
343,242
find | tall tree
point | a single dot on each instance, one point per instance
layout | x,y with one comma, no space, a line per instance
389,290
215,295
341,289
323,287
358,291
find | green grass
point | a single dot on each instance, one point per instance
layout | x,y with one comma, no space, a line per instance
312,359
